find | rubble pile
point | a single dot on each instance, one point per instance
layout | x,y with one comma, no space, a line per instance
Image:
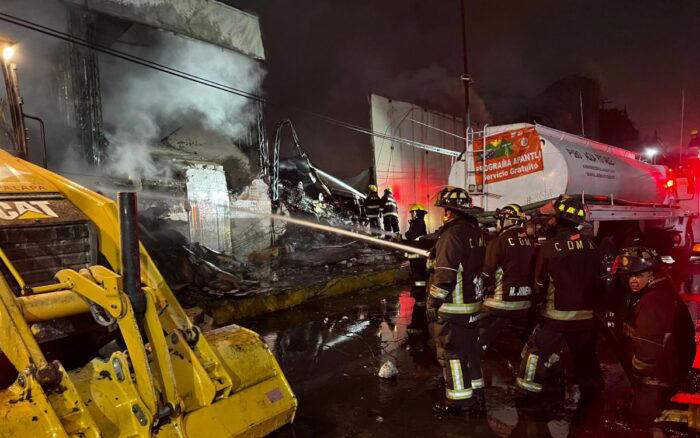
199,275
298,202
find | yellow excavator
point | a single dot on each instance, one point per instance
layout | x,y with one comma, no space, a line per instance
75,281
93,343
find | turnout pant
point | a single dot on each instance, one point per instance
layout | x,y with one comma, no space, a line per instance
649,402
542,351
419,276
374,224
391,223
458,354
495,321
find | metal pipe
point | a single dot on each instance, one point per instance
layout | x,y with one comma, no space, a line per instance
130,258
14,102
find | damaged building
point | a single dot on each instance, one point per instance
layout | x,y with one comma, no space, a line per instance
161,97
191,150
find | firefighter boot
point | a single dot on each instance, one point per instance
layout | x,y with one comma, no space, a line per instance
445,408
478,409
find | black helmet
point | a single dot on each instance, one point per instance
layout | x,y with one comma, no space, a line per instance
512,212
570,209
636,259
454,198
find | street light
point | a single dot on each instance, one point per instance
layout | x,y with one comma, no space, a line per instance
7,53
651,153
8,49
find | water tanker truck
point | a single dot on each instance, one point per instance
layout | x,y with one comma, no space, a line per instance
625,196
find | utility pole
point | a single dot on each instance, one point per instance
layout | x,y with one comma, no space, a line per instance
580,102
14,100
680,141
466,79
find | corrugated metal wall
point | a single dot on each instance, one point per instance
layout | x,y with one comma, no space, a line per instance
414,174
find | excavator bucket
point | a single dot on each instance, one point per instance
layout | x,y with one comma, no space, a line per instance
87,351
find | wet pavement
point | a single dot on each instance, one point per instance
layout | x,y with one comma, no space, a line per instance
331,351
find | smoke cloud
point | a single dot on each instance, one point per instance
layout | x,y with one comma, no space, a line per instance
142,105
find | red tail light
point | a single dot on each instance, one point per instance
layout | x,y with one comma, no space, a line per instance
696,247
615,265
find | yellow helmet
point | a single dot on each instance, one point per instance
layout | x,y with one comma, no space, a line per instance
388,189
372,188
418,207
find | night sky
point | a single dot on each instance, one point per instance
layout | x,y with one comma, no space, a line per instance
329,55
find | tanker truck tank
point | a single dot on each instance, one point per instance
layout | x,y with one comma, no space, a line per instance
528,163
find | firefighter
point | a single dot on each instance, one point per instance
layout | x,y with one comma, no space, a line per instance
417,236
373,208
658,333
454,303
390,213
508,268
568,275
416,230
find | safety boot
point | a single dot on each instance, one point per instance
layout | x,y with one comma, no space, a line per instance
447,408
478,409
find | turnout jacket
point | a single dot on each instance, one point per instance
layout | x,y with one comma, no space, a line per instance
568,273
373,205
416,228
455,284
659,335
389,206
509,267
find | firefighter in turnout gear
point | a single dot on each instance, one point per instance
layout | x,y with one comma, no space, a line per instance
508,270
454,304
416,236
658,334
568,275
390,212
416,230
373,208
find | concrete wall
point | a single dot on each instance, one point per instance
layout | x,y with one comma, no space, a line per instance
415,175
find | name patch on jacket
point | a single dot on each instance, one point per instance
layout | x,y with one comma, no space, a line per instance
573,245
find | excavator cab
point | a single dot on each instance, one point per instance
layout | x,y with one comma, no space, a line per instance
93,343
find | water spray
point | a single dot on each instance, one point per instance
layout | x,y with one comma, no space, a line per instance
348,233
341,183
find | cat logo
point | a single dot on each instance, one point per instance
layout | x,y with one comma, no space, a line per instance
26,210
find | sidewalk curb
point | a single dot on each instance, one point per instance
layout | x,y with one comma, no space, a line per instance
234,310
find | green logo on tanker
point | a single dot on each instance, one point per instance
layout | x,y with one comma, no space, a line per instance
496,149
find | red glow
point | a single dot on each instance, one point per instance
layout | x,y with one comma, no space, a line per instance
600,198
406,303
681,397
696,247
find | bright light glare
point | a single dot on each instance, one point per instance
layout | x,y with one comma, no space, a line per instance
8,52
651,152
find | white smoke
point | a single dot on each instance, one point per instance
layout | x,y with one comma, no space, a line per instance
142,105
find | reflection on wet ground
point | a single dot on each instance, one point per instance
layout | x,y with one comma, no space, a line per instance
331,351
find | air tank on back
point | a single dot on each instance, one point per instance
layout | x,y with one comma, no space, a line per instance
531,163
